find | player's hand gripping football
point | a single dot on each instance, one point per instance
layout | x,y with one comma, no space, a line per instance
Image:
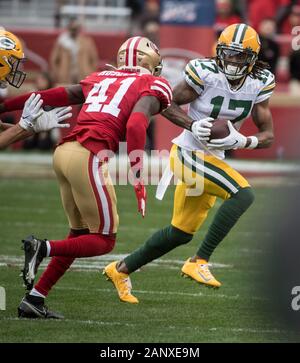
141,196
235,140
201,128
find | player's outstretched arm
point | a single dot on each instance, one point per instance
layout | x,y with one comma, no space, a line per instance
32,110
182,94
13,134
262,117
136,139
34,119
56,97
4,126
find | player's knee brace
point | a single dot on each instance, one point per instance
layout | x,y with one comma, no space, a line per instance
244,197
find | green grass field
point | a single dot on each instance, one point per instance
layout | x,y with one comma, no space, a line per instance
171,309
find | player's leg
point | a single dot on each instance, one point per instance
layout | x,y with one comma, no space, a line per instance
55,269
224,182
81,197
160,243
60,161
93,201
190,211
32,305
237,194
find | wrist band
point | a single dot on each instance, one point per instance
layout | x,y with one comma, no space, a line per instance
253,143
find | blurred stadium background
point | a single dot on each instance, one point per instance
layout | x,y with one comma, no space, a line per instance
66,40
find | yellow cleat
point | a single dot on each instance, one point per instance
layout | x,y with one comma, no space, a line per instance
199,271
121,281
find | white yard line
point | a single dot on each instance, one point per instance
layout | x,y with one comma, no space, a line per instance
162,293
86,322
97,263
249,330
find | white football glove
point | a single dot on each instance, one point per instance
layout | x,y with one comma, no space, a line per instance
201,128
235,140
49,120
31,111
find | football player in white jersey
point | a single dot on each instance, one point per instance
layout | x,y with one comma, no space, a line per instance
232,86
33,118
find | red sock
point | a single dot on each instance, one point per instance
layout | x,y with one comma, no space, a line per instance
89,245
56,268
54,271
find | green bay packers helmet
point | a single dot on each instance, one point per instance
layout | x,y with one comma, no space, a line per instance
237,50
140,52
11,57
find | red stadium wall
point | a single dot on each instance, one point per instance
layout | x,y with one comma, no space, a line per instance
42,41
286,129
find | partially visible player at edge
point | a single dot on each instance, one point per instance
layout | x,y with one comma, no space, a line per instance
33,118
117,104
232,86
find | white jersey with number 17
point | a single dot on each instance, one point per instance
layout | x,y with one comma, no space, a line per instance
216,98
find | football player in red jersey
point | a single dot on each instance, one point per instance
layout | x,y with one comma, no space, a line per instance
117,105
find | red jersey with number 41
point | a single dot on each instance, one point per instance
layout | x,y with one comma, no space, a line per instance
109,99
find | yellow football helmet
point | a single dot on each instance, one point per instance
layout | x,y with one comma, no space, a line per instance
11,56
237,50
140,52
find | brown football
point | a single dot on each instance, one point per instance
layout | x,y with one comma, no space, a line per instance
219,129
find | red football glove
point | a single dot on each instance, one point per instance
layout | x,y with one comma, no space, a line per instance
141,196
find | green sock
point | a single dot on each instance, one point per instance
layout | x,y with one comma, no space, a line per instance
156,246
226,217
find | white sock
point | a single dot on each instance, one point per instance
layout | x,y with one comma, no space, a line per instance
48,248
34,292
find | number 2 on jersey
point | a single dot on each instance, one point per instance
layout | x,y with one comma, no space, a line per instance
98,96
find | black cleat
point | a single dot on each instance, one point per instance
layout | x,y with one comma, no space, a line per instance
32,307
35,250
